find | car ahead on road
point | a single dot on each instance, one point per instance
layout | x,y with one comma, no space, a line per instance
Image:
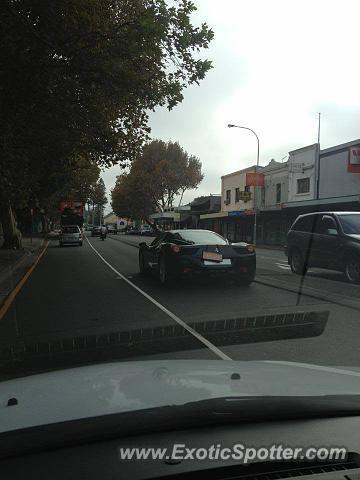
89,227
328,240
177,253
147,231
70,235
95,232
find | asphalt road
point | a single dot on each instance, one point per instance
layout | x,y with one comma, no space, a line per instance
96,290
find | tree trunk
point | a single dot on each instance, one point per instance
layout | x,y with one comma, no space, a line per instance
12,236
182,194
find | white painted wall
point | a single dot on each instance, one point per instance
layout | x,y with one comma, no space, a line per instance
231,182
302,164
335,180
275,173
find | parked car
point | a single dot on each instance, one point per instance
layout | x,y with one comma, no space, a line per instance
147,230
70,234
133,231
112,228
177,253
89,227
95,232
328,240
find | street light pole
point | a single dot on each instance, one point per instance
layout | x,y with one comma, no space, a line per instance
230,125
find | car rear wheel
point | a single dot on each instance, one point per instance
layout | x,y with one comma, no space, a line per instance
165,278
297,263
144,269
245,279
352,269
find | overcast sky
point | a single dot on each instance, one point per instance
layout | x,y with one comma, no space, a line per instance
276,64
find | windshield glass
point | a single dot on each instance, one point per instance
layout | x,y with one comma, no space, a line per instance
175,180
200,237
70,229
350,223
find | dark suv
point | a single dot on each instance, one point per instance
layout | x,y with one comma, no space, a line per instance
327,240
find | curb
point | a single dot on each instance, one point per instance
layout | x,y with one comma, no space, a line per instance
4,304
25,253
4,273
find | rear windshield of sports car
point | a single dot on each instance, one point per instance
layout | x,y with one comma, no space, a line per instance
200,237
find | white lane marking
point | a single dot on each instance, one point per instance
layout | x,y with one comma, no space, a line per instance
172,315
284,266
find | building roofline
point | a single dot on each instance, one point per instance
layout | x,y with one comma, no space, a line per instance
302,149
244,170
340,147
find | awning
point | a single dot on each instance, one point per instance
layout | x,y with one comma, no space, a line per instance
324,201
208,216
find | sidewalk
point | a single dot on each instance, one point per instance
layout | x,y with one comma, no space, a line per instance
14,263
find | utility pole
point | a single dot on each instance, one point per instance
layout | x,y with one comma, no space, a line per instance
230,125
318,160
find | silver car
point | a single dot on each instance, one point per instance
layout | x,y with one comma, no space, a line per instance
70,234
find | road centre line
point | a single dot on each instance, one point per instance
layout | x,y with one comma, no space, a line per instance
161,307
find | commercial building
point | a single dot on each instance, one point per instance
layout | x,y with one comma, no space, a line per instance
240,191
327,179
310,180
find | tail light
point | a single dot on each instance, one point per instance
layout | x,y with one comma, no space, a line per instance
250,248
175,249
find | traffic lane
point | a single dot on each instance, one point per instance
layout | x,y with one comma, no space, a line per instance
325,284
198,299
320,283
71,292
202,301
273,269
337,346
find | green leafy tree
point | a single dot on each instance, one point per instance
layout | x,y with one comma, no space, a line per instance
129,198
79,78
98,200
163,172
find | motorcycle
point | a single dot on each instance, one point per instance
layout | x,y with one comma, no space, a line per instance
102,236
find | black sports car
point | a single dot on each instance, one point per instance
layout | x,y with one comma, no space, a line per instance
176,253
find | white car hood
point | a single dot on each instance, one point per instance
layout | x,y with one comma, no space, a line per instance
127,386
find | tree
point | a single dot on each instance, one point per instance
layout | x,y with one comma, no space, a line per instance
129,198
162,172
98,200
75,184
79,78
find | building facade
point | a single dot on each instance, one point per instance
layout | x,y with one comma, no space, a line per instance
272,221
310,180
240,191
333,183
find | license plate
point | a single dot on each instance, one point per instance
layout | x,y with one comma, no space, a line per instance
212,256
226,261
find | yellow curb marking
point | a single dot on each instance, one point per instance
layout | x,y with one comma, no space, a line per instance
12,295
